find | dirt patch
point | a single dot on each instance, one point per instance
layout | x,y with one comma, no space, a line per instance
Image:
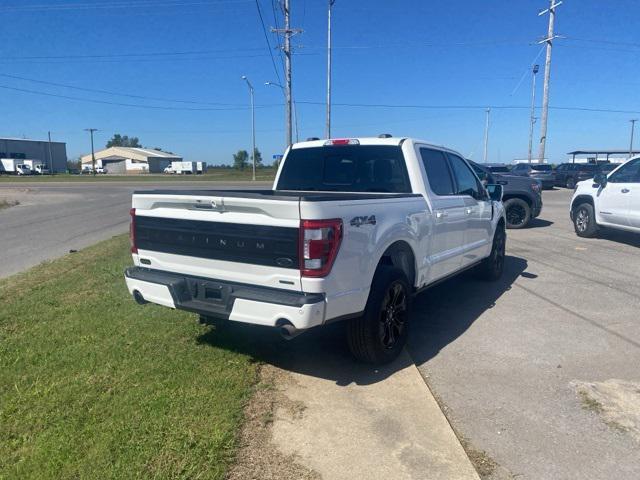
258,458
4,203
617,402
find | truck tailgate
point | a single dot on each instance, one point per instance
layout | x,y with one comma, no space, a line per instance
250,239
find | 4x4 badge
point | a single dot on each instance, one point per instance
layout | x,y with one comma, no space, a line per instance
366,220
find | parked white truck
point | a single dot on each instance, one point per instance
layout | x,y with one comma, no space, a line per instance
351,230
13,166
608,200
181,168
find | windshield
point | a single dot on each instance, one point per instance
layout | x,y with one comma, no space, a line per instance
349,168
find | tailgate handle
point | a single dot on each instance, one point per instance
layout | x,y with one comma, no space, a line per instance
210,205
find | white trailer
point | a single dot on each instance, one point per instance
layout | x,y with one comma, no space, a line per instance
201,167
184,167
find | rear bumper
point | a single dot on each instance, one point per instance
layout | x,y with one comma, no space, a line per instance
236,302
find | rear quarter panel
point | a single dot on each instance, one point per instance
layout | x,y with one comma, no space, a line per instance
398,219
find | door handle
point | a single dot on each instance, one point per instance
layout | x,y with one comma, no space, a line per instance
625,190
468,210
441,214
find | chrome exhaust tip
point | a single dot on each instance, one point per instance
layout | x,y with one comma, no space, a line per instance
288,331
137,296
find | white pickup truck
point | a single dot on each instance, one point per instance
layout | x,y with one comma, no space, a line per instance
611,201
351,230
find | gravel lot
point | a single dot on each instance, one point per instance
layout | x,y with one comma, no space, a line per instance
53,218
541,370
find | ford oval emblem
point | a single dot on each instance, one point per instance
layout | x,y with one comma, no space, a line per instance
284,262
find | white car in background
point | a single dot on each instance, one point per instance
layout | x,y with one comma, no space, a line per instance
608,200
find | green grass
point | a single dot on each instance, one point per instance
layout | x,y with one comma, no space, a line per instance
94,386
213,175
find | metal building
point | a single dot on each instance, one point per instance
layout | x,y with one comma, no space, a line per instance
52,154
121,160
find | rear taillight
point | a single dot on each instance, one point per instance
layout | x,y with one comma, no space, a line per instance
132,231
319,244
535,186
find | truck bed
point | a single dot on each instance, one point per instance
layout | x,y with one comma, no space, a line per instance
307,196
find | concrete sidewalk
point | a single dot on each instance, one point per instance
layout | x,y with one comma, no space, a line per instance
383,424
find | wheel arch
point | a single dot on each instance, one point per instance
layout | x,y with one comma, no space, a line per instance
400,254
580,199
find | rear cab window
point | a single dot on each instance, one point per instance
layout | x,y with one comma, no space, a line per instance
345,168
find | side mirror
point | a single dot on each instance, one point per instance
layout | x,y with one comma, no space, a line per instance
495,192
600,179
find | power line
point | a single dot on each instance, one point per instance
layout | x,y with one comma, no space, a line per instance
106,102
266,38
118,4
352,105
119,55
120,94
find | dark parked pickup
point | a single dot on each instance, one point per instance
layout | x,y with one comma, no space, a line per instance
522,196
568,174
540,171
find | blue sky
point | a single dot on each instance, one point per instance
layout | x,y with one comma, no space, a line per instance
429,53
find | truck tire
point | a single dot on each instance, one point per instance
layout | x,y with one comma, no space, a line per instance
492,267
380,334
571,183
518,213
584,221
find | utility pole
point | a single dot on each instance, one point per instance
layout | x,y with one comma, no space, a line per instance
287,31
50,155
253,128
547,76
486,136
532,119
331,2
633,127
93,156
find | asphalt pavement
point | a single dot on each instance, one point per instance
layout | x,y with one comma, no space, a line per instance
54,218
505,359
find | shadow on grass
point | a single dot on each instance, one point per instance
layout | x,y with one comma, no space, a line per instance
440,315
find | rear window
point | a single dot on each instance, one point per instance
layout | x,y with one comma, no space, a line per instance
499,169
348,168
542,168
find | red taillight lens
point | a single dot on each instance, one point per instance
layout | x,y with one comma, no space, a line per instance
132,231
319,244
342,141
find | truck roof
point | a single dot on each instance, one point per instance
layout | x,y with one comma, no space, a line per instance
394,141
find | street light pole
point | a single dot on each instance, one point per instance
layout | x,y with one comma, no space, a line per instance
328,132
253,127
633,127
93,156
295,107
486,136
533,109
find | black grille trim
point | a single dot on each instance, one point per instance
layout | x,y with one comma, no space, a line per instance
233,242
